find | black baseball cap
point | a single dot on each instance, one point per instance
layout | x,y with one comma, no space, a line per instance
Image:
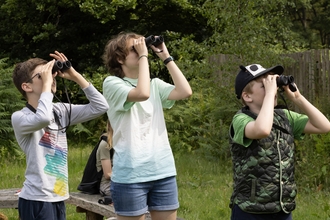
251,72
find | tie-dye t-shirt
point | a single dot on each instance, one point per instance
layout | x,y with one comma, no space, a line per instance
142,151
42,137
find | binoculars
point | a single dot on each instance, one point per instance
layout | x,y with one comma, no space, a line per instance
62,66
286,80
152,40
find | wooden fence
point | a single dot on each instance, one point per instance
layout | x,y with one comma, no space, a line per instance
310,69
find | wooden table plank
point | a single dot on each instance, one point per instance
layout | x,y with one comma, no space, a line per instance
8,199
90,203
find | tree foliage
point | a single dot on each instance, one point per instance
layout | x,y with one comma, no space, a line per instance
81,28
254,31
10,102
310,19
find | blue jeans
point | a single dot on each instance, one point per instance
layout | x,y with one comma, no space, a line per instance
134,199
38,210
239,214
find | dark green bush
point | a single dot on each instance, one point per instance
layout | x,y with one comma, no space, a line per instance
11,100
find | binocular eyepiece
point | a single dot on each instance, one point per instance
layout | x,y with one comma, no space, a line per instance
152,40
62,66
286,80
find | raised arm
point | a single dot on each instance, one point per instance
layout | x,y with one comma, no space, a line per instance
317,122
182,88
142,90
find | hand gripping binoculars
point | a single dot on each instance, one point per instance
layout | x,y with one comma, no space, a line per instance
152,40
286,80
62,66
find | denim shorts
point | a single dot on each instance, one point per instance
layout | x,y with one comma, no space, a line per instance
134,199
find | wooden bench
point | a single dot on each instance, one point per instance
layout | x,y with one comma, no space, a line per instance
89,204
8,199
84,203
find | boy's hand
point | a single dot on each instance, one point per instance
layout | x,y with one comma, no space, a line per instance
70,73
46,72
292,95
47,77
270,84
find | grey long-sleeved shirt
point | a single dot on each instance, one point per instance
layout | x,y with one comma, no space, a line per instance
42,137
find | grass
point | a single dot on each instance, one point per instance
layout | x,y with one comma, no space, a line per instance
204,188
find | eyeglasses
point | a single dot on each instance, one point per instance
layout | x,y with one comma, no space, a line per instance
39,77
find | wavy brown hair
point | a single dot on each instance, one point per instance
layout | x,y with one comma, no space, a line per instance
116,50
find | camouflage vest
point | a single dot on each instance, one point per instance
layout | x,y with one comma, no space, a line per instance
264,171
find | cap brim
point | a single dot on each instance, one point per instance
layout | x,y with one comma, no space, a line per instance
275,69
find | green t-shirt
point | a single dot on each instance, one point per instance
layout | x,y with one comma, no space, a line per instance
297,122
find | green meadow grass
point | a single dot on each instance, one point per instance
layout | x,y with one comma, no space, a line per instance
204,188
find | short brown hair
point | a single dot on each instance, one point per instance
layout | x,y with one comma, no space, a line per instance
23,71
116,50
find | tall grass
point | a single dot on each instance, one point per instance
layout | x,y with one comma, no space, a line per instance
204,187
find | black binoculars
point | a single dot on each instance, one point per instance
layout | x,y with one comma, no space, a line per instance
62,66
286,80
152,40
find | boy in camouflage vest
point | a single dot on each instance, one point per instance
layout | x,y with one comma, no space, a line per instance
262,148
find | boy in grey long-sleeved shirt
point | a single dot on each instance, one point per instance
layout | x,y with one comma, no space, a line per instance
40,131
